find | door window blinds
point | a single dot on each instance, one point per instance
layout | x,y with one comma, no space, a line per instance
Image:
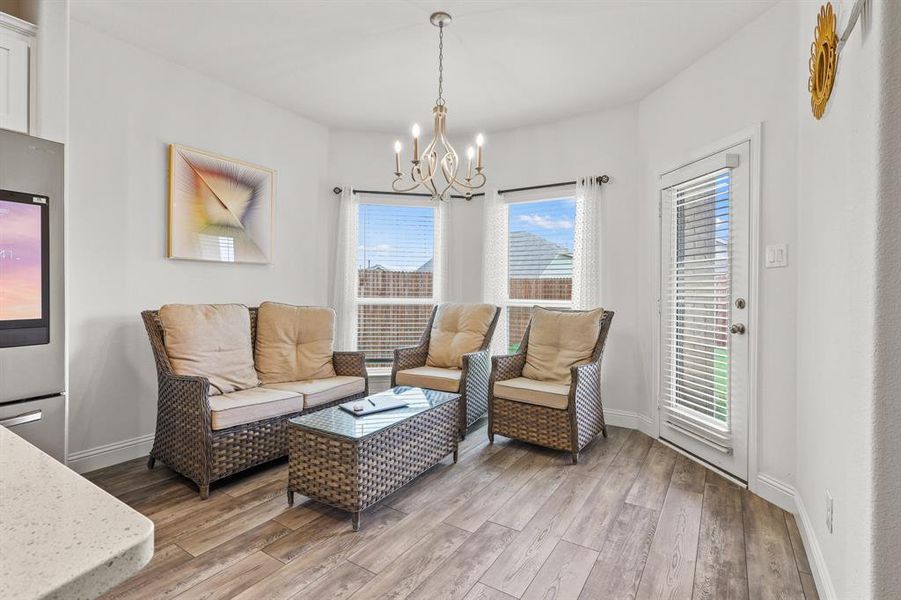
695,218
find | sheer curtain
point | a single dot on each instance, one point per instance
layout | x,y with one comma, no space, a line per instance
440,273
586,292
345,291
494,265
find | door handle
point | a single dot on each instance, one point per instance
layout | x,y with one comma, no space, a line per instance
738,328
28,417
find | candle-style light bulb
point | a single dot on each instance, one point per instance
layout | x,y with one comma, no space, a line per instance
469,154
415,142
397,149
480,141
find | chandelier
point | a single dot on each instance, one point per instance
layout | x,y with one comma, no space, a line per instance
437,168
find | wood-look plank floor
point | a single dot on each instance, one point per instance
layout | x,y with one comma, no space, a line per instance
633,519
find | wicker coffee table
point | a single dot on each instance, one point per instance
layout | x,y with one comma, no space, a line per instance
351,462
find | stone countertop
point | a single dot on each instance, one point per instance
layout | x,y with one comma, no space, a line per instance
60,535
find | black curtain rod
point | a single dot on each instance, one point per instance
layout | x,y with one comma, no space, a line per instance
601,179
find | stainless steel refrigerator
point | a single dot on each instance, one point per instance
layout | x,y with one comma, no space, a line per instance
32,291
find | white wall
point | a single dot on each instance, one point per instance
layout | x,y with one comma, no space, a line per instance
52,66
127,106
603,143
753,78
848,359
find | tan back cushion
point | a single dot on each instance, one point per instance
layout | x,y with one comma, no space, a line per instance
458,329
294,343
560,340
212,341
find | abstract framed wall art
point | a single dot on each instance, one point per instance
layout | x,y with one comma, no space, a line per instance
220,209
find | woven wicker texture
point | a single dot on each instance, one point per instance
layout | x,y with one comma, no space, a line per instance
570,429
184,439
474,379
353,474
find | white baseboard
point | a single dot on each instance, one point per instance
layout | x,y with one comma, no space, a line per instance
773,490
787,498
91,459
630,420
814,553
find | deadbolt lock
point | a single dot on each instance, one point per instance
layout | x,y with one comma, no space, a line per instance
740,303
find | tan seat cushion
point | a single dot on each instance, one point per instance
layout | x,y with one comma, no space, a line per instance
294,343
212,341
322,391
458,329
432,378
559,340
249,406
530,391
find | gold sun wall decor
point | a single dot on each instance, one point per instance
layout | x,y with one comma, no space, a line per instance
823,58
220,209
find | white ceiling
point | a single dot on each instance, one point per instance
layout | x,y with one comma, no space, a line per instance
373,65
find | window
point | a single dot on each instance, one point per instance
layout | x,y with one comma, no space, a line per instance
540,239
395,292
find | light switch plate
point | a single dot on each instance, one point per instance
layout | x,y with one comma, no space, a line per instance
776,256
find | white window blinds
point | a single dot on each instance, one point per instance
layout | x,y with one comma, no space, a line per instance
696,306
395,291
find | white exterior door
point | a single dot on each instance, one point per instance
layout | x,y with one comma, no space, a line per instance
704,287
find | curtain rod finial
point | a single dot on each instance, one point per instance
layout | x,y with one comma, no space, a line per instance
604,179
337,190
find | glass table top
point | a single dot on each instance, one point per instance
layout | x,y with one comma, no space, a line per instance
337,421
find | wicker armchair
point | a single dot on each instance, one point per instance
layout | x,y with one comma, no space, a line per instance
570,428
185,440
474,376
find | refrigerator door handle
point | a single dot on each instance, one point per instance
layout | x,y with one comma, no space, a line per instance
28,417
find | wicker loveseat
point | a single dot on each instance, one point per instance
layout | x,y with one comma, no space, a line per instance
205,434
452,356
557,410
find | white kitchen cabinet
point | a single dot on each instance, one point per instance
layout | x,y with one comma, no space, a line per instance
16,60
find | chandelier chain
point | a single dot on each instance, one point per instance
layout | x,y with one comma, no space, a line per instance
440,100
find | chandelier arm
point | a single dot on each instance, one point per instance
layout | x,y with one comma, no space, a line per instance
428,158
402,190
430,185
426,181
450,155
418,170
470,187
429,175
449,173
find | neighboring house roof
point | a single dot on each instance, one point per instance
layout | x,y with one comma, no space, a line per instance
535,257
532,257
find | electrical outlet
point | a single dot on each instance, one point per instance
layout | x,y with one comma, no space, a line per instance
829,511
